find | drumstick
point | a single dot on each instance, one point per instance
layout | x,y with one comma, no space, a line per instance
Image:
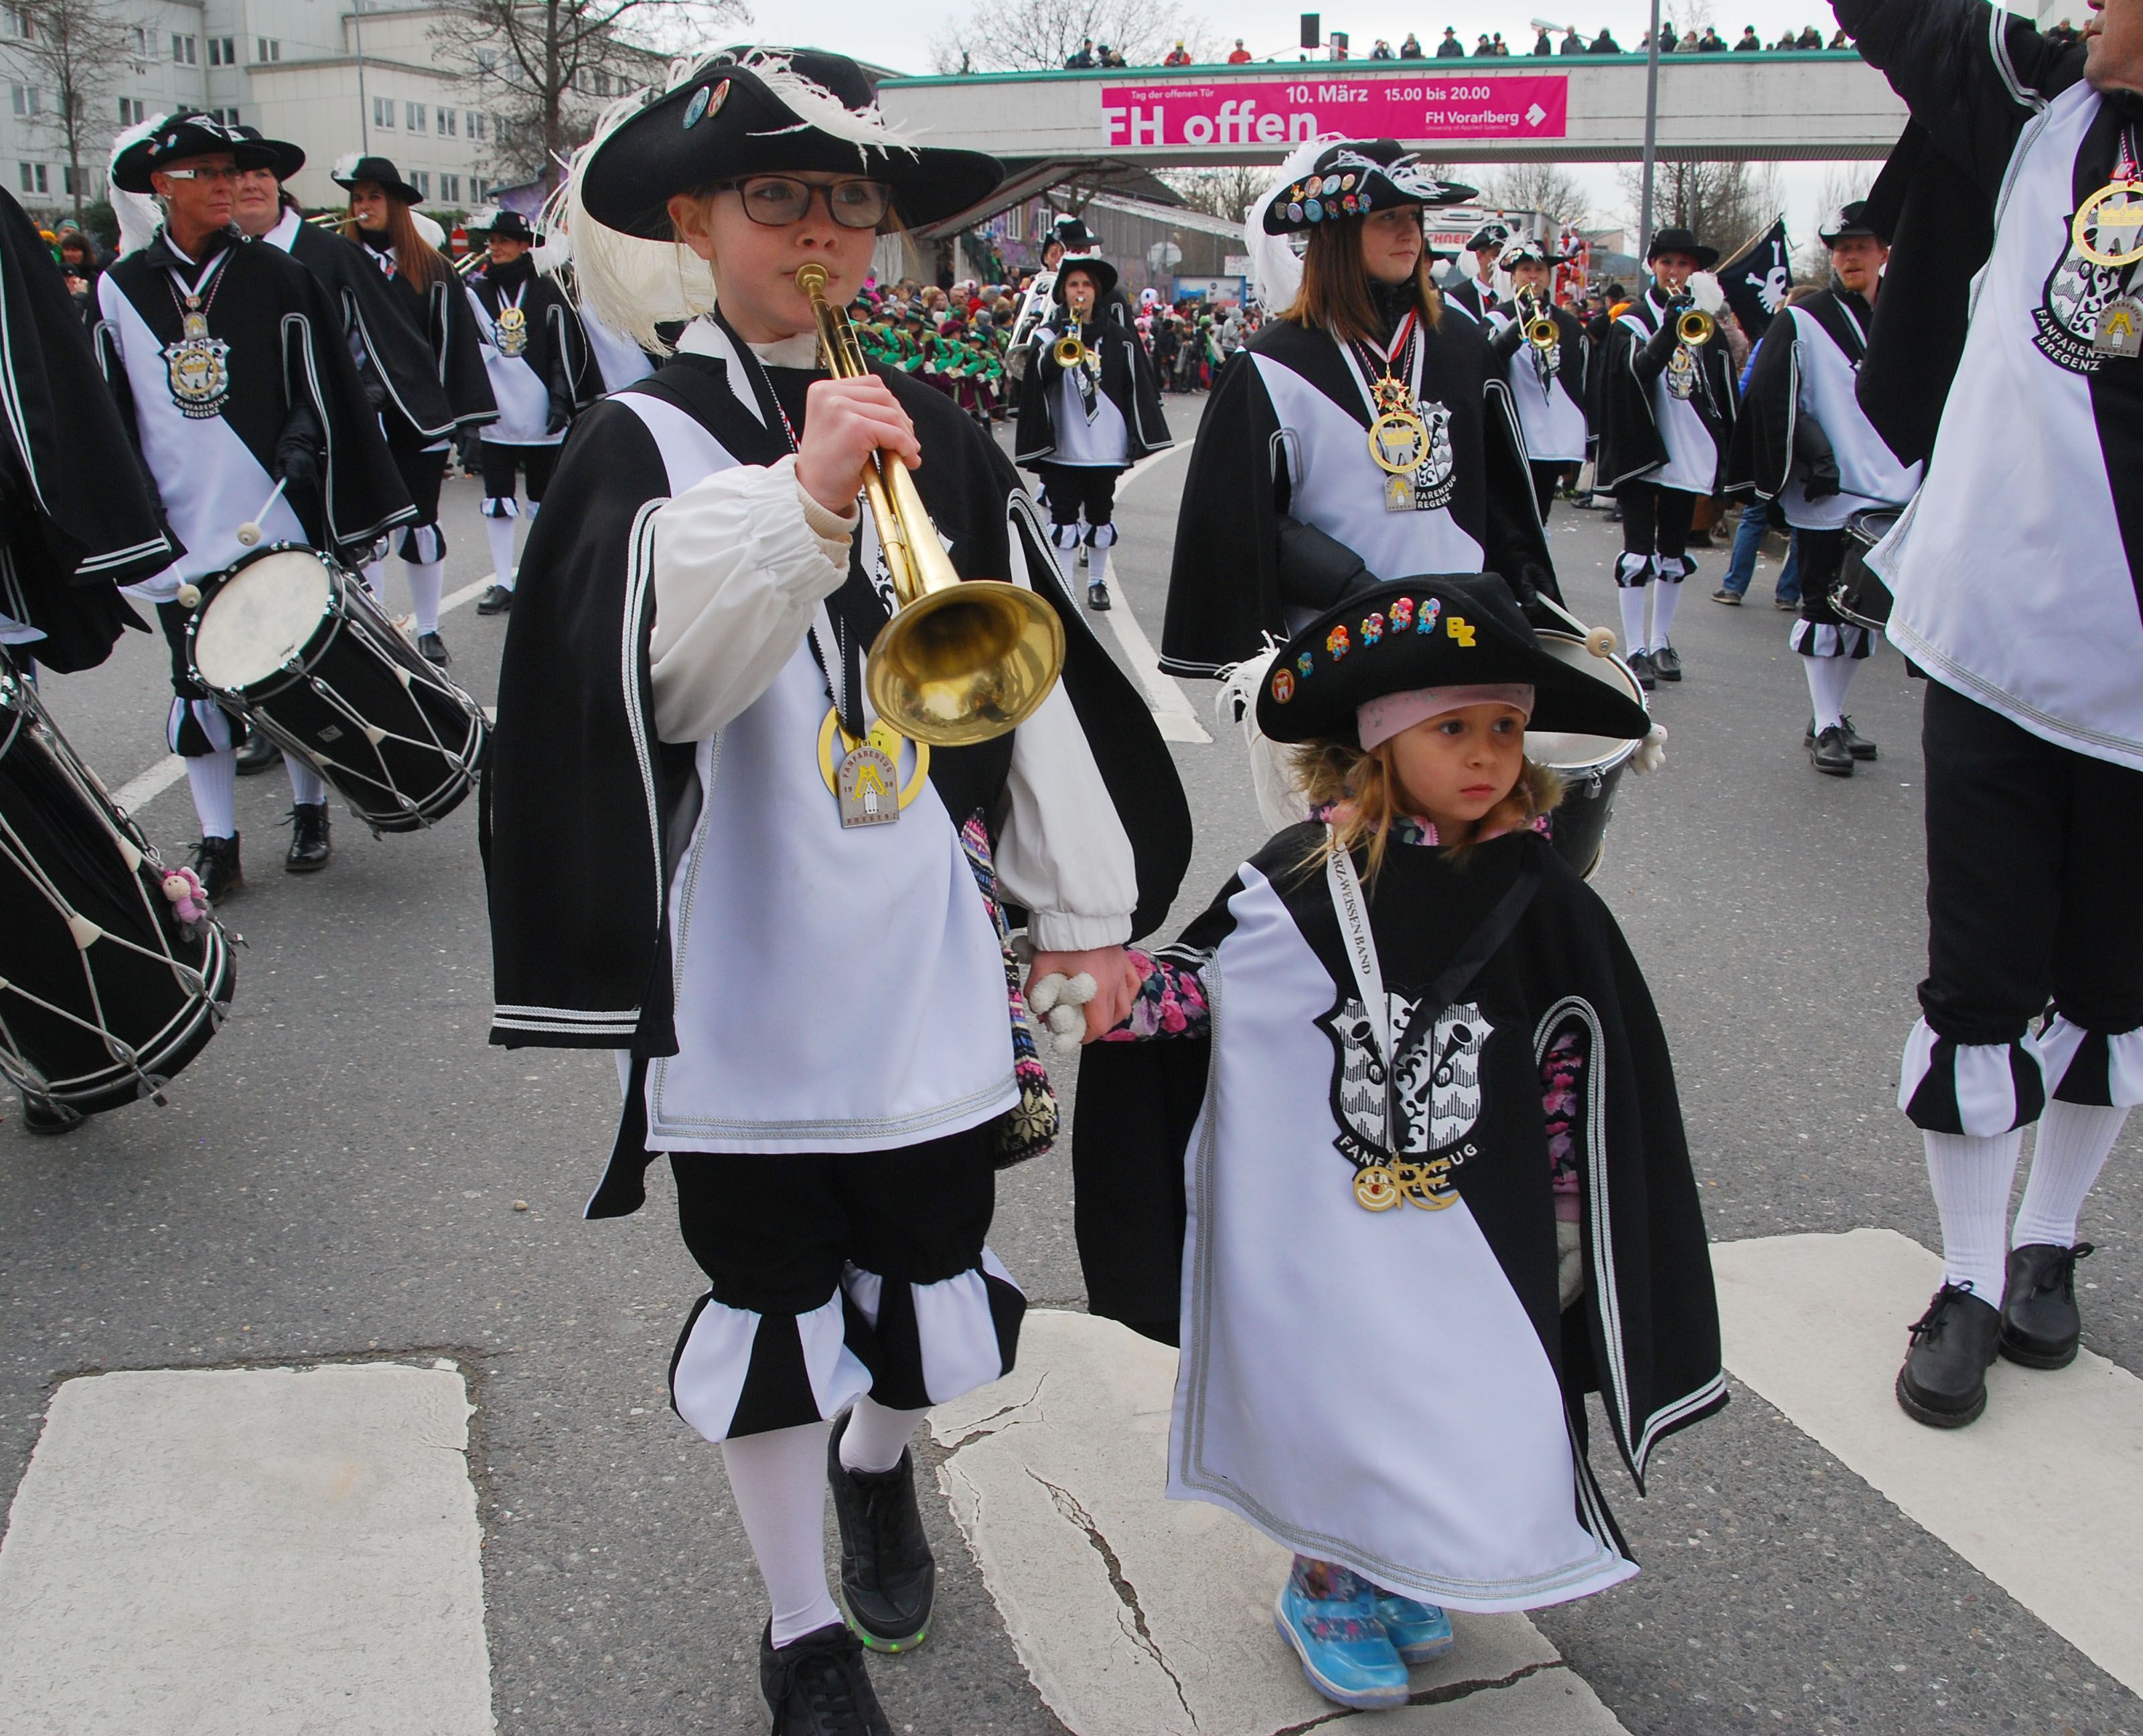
249,533
1598,640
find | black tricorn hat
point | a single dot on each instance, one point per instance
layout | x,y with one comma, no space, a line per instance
1071,233
350,171
1489,234
1354,178
1682,240
1440,629
1530,249
289,158
185,135
768,112
1855,218
509,226
1094,265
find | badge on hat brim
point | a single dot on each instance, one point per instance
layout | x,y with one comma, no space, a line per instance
707,99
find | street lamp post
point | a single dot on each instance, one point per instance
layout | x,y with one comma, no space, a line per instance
364,107
1651,132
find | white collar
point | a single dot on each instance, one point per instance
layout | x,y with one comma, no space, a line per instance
705,337
285,234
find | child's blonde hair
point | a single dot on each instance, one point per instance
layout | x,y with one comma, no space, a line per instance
1361,790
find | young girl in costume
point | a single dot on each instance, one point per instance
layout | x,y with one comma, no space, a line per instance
807,990
1437,1189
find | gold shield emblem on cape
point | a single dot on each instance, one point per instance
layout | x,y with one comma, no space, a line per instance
198,369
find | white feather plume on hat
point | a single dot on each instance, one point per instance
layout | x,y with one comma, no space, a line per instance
138,213
1275,265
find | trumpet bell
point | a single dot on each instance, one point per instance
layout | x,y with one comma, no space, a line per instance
1696,328
1069,351
1542,333
965,664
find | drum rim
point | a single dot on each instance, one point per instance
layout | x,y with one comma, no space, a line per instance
1572,771
213,586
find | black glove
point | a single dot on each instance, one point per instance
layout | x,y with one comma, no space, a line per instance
468,445
375,391
1525,583
1507,341
1815,458
1661,346
561,410
300,448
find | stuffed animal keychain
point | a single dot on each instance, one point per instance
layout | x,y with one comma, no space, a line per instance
1060,1002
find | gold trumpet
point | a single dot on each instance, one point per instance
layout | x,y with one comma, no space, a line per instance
962,661
1069,351
1695,328
1541,333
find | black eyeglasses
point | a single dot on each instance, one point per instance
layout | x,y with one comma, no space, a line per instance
778,201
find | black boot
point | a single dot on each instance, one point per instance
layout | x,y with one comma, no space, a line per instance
818,1686
888,1577
42,1115
1829,754
215,860
2039,1324
1943,1382
310,846
258,753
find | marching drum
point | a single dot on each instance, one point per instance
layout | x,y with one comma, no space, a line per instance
1859,595
296,642
105,990
1590,766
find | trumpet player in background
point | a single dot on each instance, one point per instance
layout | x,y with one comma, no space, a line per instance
802,965
1543,348
1667,410
1089,408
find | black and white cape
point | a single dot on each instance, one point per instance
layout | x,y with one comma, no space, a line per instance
1127,423
535,352
1666,423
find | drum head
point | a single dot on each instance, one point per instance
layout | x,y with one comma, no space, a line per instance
263,614
1568,752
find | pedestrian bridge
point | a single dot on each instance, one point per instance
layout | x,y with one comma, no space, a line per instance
1048,127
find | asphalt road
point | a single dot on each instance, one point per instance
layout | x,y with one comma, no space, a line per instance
342,1174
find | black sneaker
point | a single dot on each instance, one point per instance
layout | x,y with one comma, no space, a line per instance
1640,666
215,860
1786,604
2039,1324
1732,599
1943,1382
1829,754
818,1686
433,650
496,599
1097,598
1667,663
310,846
45,1115
888,1577
258,754
1857,745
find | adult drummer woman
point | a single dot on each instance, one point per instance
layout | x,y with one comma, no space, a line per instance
1361,412
380,220
809,987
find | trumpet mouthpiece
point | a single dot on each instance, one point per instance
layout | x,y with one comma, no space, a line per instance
810,277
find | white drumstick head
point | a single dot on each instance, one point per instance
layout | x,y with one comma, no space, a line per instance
189,596
1600,641
248,535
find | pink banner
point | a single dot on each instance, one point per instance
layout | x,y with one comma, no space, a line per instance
1419,107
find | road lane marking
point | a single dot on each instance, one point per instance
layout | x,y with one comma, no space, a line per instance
1173,712
228,1551
2039,1494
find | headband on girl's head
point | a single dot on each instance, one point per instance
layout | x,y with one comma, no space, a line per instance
1379,719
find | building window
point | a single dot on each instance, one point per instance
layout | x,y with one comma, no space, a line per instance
450,189
421,180
141,41
15,21
130,111
602,82
476,189
185,50
22,98
477,127
486,60
66,179
267,48
447,121
383,113
413,116
33,178
222,50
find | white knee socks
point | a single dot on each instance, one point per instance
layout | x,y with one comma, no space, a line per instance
1067,564
375,580
213,778
1631,597
2074,1139
1828,680
1097,565
427,580
1971,1178
876,1438
1667,595
779,1482
308,788
500,531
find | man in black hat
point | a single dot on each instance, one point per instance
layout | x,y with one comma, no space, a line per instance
1081,425
1804,442
1666,418
1547,380
2018,572
542,375
230,364
1476,296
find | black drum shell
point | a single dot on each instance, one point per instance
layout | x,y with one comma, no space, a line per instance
1859,595
1577,829
163,1008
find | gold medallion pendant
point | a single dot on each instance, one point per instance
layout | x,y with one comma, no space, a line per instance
865,778
512,329
198,368
1375,1191
2100,213
1399,438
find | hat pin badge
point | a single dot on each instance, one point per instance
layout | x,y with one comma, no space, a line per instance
707,100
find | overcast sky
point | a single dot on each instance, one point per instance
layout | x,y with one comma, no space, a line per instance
900,37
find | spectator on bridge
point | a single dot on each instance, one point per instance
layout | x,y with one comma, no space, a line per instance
1238,55
1383,51
1178,56
1410,49
1483,49
1542,48
1839,39
1573,41
1809,38
1711,43
1750,42
1083,61
1499,47
1450,49
1605,42
1785,43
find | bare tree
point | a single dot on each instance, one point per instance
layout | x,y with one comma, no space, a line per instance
1227,192
71,51
1039,36
1723,203
1547,188
547,68
1842,184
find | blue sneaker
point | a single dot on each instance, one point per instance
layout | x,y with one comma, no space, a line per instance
1417,1631
1344,1650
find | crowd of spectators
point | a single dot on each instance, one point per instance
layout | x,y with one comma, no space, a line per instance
1491,45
